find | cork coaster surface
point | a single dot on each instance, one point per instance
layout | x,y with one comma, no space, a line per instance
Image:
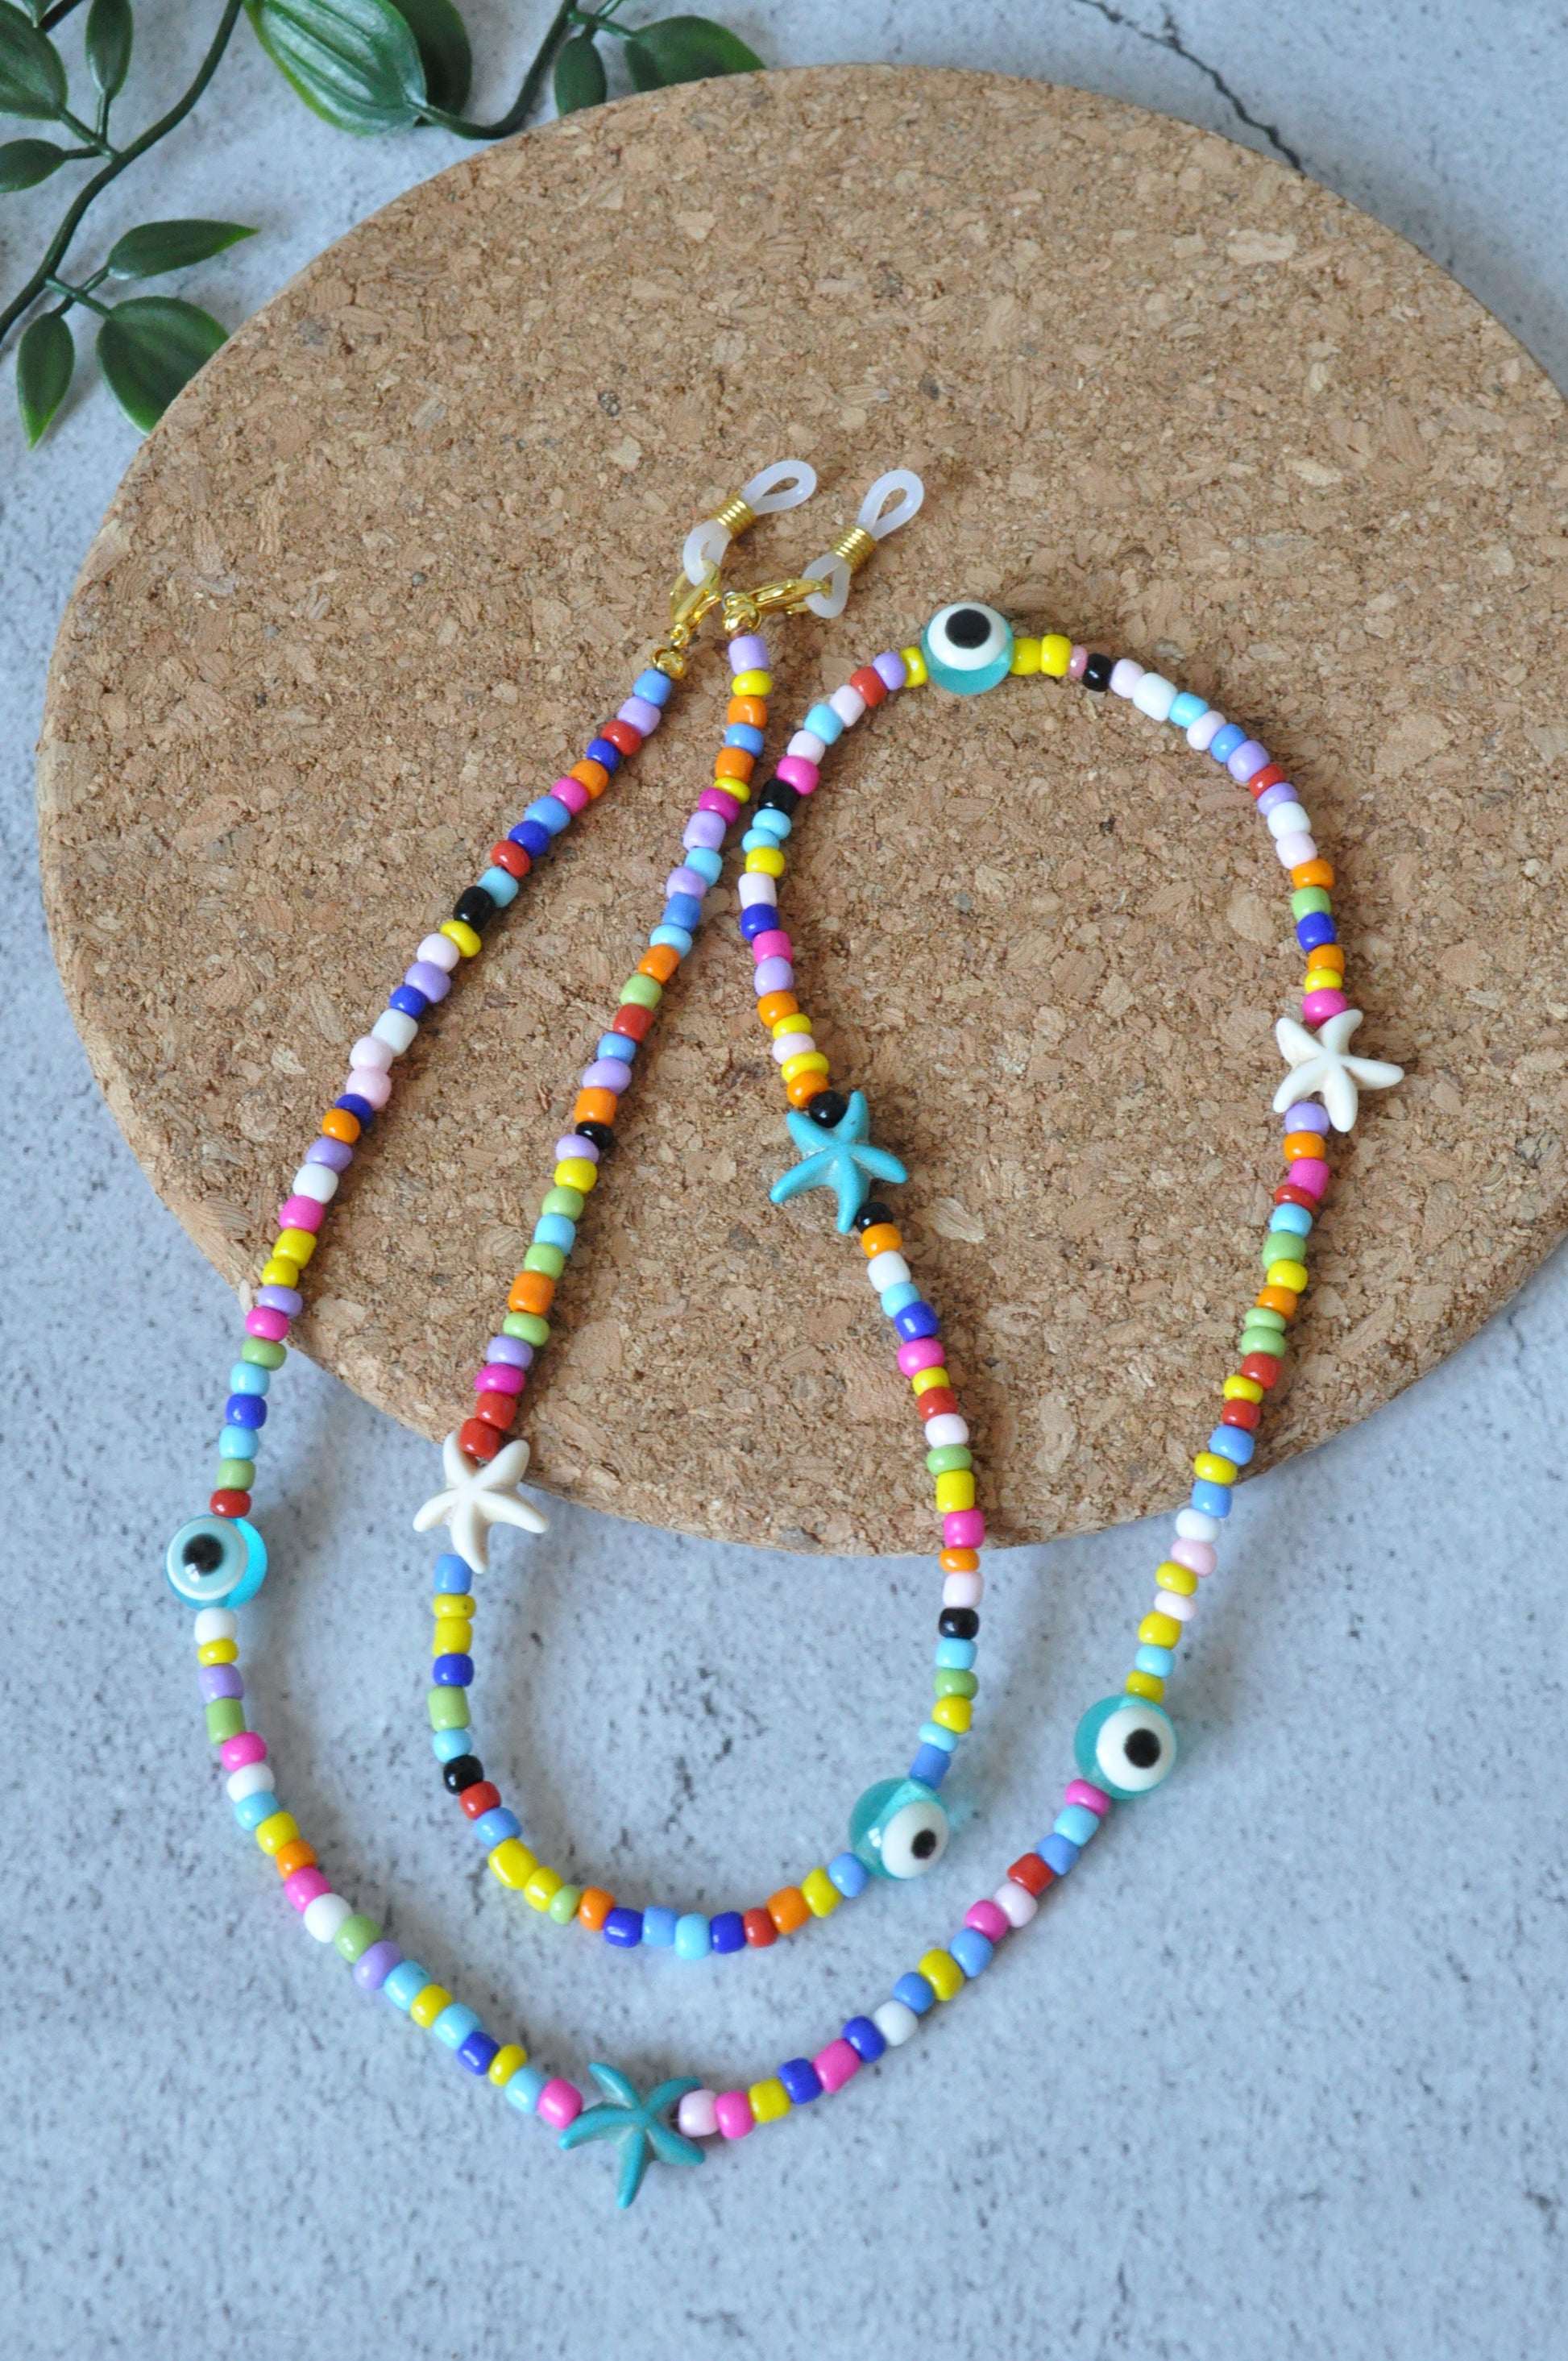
402,546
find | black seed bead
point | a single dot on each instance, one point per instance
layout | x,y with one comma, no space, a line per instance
1097,673
463,1770
476,906
599,1133
873,1212
828,1108
959,1623
776,797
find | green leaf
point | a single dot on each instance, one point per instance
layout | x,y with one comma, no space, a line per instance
46,359
32,77
579,75
686,48
109,45
151,345
442,43
25,162
354,62
162,246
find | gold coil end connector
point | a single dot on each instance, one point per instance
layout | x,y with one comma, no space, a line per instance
854,547
737,516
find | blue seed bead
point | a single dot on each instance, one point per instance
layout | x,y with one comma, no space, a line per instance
408,1001
801,2079
915,1992
1212,1499
973,1950
451,1672
452,1574
479,2052
1077,1823
237,1442
1059,1853
555,1230
659,1929
757,840
678,938
654,686
759,918
897,1298
494,1827
1231,1442
1224,743
623,1928
405,1984
848,1873
351,1103
916,1320
683,910
251,1810
769,822
244,1410
932,1733
455,2023
525,2089
617,1046
599,749
535,839
824,723
959,1653
549,813
245,1378
727,1930
742,734
930,1766
1185,709
446,1745
500,886
707,863
1160,1662
1316,928
1291,1217
863,2038
693,1938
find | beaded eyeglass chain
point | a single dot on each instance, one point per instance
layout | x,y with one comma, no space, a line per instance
1125,1744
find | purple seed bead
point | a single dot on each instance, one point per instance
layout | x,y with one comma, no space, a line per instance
641,714
687,881
773,975
1272,798
372,1968
216,1681
511,1350
1307,1116
890,670
606,1074
706,829
287,1300
426,977
575,1145
749,652
1247,760
335,1153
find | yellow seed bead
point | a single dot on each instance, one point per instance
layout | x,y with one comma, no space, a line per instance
1144,1684
459,931
1292,1275
1171,1577
1210,1468
274,1834
770,2100
954,1713
955,1491
915,665
429,2003
575,1172
943,1973
1026,656
451,1602
282,1271
766,861
217,1652
1323,979
1056,654
505,2063
795,1023
805,1062
297,1244
821,1896
1159,1631
1239,1389
923,1380
452,1636
542,1887
513,1863
752,684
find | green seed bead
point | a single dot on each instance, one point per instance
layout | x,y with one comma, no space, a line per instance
355,1936
947,1456
529,1326
235,1474
263,1354
643,990
1307,899
448,1708
563,1200
1281,1245
553,1262
564,1900
947,1681
1261,1339
1260,1316
225,1719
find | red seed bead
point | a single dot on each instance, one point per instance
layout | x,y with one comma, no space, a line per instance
1032,1874
1288,1195
936,1401
870,685
624,736
230,1504
482,1797
1262,1367
509,857
1241,1414
496,1409
633,1022
1271,775
480,1441
759,1929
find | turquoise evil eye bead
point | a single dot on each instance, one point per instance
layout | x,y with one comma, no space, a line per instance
898,1828
1126,1745
216,1562
966,647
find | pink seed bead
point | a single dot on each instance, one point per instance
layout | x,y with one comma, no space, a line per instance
1198,1557
1124,676
1077,664
574,1144
987,1920
303,1887
369,1052
641,713
560,2102
573,794
775,944
807,747
370,1084
920,1353
714,800
771,975
273,1325
1094,1799
695,2115
248,1747
441,952
300,1213
732,2114
963,1528
606,1074
1312,1173
836,2064
795,772
1317,1006
747,652
499,1377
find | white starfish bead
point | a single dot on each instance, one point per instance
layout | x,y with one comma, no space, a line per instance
1322,1063
480,1493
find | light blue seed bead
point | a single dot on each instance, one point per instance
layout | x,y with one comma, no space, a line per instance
617,1046
707,864
446,1745
1234,1444
405,1984
973,1950
659,1929
548,812
245,1378
776,824
1212,1499
694,1937
494,1827
239,1443
654,686
848,1873
1077,1823
824,723
1224,743
500,886
1157,1661
455,2023
1291,1217
917,1994
758,840
959,1653
933,1734
524,2090
676,937
894,1300
555,1230
1185,711
1058,1852
251,1810
742,734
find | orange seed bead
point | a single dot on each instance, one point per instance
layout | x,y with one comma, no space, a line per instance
752,710
659,960
733,763
883,1237
1314,873
959,1560
775,1005
805,1087
594,1908
788,1909
595,1106
1278,1299
295,1855
1329,955
341,1123
1301,1143
593,775
530,1290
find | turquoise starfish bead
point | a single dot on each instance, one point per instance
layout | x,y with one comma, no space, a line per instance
838,1159
637,2126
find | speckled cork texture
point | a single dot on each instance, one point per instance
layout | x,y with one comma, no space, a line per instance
404,542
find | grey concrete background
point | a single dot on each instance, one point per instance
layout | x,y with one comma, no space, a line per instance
1285,2071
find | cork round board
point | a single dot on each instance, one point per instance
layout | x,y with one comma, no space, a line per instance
404,542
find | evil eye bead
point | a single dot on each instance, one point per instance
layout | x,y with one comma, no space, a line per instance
1126,1745
967,647
898,1828
216,1562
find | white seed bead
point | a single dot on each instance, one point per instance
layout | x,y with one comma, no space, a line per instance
887,1270
395,1029
1124,676
1015,1902
895,2023
1294,850
440,950
1287,819
756,886
215,1624
848,704
1175,1603
806,747
695,2115
250,1779
1154,696
368,1051
317,1180
326,1915
792,1045
948,1427
963,1590
1205,730
1196,1525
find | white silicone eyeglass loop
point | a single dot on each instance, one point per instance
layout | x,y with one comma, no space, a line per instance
835,570
707,545
913,492
782,486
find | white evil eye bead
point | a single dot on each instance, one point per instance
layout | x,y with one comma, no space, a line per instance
216,1562
1126,1745
966,647
898,1828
